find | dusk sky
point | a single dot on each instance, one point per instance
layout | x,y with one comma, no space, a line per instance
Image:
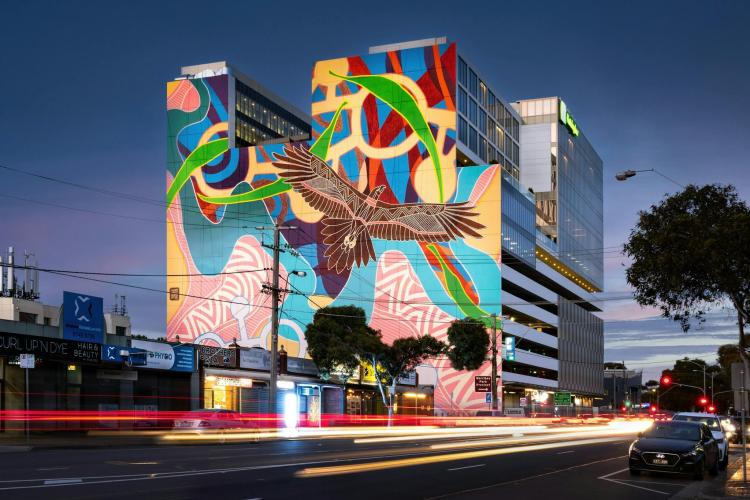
652,85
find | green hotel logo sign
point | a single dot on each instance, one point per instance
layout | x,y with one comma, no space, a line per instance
567,120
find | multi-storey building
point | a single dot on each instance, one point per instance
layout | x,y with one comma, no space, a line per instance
564,172
405,126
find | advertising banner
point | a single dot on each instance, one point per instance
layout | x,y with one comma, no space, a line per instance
162,356
83,317
221,357
133,356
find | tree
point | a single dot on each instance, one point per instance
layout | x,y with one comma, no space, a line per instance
403,356
468,343
690,253
339,338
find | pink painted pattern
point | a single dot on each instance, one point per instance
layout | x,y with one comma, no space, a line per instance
399,296
199,315
185,97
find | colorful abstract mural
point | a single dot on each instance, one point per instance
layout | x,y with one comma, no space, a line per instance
384,218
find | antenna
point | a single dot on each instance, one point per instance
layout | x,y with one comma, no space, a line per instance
11,280
2,277
123,308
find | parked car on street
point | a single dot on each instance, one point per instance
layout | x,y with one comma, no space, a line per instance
717,430
676,447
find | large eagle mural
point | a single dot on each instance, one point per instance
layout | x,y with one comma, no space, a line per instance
352,218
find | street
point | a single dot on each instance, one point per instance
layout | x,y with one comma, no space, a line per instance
411,466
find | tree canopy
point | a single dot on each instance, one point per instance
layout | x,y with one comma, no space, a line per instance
339,337
690,253
468,342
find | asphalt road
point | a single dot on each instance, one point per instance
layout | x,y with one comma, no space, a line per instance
562,468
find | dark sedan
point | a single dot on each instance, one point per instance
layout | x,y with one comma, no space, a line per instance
675,447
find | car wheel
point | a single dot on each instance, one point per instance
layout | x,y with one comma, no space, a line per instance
714,470
699,471
634,472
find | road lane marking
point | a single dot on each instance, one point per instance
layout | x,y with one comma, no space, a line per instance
564,452
467,467
71,480
52,468
607,477
527,478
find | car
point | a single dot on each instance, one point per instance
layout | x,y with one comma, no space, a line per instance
676,447
208,419
714,424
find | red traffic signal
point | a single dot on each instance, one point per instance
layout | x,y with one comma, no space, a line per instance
652,409
703,401
712,408
624,408
666,380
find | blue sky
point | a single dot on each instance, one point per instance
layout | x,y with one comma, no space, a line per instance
652,84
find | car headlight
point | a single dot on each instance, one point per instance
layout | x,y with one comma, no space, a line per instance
694,452
633,449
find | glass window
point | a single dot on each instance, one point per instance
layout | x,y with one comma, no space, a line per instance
491,103
462,71
462,101
482,121
473,139
482,148
482,93
472,83
462,130
473,111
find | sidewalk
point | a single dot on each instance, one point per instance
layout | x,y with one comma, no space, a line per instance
732,487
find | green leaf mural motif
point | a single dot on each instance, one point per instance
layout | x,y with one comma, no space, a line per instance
319,148
456,290
403,103
202,155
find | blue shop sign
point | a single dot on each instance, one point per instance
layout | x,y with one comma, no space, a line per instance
83,317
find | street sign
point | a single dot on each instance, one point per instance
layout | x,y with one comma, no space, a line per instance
482,383
562,399
26,360
524,402
488,397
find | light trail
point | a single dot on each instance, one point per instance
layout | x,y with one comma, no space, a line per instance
432,459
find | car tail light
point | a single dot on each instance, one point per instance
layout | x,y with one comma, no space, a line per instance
204,423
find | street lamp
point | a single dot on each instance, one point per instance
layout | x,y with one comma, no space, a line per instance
627,174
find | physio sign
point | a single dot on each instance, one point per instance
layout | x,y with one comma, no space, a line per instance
83,318
162,356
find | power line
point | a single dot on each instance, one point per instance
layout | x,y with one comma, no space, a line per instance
129,275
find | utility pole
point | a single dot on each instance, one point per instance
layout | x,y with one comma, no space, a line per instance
275,299
494,362
743,425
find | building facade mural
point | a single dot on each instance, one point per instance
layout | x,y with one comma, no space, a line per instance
384,218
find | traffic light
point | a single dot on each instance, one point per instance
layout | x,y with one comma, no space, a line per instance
711,409
624,408
666,380
652,409
703,401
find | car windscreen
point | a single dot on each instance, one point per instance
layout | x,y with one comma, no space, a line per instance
711,422
671,430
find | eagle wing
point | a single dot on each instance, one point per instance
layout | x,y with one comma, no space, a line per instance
320,186
428,222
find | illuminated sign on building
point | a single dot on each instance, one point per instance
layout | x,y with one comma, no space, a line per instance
567,120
